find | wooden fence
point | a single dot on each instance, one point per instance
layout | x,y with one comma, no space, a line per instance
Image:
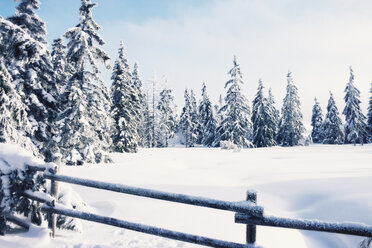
246,212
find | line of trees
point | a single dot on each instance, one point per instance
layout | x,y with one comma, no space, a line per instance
55,101
357,128
233,120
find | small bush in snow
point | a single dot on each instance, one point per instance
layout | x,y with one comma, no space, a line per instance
228,145
13,181
16,177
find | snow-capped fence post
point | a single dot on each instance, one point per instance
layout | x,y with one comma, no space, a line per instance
54,192
251,229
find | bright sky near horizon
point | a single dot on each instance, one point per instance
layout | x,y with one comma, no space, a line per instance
192,41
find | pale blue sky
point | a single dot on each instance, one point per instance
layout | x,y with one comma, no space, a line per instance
192,41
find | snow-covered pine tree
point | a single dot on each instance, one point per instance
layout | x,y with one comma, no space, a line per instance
263,120
153,118
274,110
26,18
195,118
142,98
14,125
32,70
148,123
236,125
207,119
332,126
167,121
85,123
369,122
316,123
59,65
186,123
355,125
291,128
126,106
217,108
219,118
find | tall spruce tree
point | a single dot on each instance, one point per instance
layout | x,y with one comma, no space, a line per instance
274,110
355,125
26,18
369,122
207,119
217,108
186,123
316,123
167,120
332,125
60,65
291,128
29,64
85,123
153,114
263,120
14,125
195,118
236,125
126,106
147,124
142,98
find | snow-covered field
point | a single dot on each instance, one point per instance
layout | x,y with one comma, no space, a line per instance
332,183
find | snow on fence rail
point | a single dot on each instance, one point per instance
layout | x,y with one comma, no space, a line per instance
247,212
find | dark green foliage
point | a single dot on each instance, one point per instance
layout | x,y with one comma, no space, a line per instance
332,125
263,120
291,128
316,123
355,125
235,126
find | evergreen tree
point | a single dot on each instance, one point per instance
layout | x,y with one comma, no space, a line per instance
14,125
355,126
291,128
186,123
316,123
153,119
84,123
332,125
274,110
195,118
29,64
167,121
147,124
59,64
126,106
236,125
370,116
217,108
141,96
26,18
207,119
263,120
219,118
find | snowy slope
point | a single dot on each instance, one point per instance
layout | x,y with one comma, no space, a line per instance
325,182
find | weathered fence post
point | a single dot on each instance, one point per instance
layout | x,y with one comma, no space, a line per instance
54,192
251,229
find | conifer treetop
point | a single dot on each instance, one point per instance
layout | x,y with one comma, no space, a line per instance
26,18
82,38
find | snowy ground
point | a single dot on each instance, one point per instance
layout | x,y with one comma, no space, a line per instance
331,183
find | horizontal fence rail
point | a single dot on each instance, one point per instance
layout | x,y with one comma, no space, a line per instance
18,221
200,240
311,225
243,206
